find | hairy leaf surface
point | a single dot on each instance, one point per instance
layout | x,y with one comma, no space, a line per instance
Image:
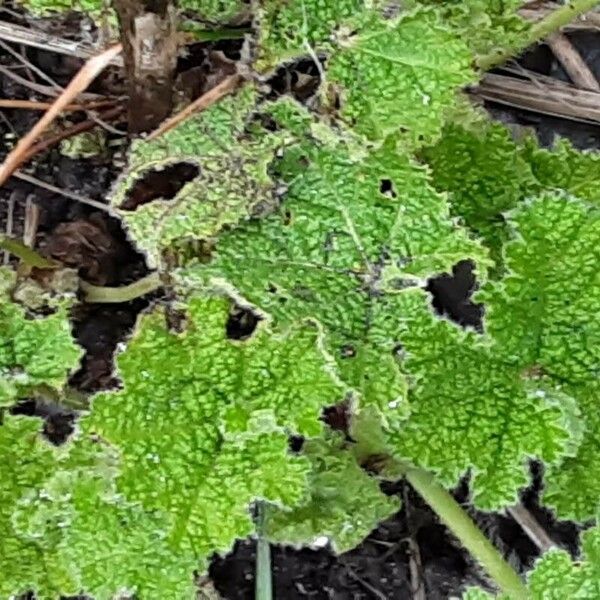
232,177
400,75
345,502
33,351
352,227
470,409
202,421
26,460
543,318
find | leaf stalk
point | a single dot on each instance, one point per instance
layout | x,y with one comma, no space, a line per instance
541,30
467,532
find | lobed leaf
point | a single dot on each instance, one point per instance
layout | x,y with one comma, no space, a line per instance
542,317
351,228
231,182
33,351
400,75
345,502
202,421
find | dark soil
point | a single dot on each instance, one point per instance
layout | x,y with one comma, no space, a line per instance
94,243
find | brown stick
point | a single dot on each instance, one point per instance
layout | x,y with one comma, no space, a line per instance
34,105
92,68
150,43
575,67
202,103
559,99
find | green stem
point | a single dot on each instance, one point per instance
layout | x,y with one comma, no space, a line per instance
469,535
263,577
29,256
553,22
213,35
95,294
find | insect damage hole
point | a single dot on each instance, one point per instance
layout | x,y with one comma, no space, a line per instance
241,323
386,187
164,183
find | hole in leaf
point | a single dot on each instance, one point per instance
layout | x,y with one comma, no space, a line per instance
386,187
163,183
300,79
451,296
241,323
338,417
348,351
58,421
296,443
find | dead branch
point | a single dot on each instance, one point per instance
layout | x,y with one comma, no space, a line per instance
92,68
534,531
558,99
150,45
34,105
39,39
575,67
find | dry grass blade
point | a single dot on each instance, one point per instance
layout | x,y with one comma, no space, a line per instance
558,100
92,68
202,103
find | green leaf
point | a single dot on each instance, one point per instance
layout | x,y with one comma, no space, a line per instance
295,28
542,316
26,460
565,168
345,502
110,545
400,76
487,173
33,351
487,25
232,181
351,228
556,576
481,169
202,421
470,410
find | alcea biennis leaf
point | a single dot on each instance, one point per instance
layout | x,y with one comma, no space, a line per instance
110,546
345,502
295,28
232,177
487,26
487,173
353,229
33,351
544,319
202,422
481,169
26,462
470,410
400,76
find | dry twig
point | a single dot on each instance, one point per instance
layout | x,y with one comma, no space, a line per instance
78,84
535,532
557,99
39,39
202,103
56,190
35,105
575,67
